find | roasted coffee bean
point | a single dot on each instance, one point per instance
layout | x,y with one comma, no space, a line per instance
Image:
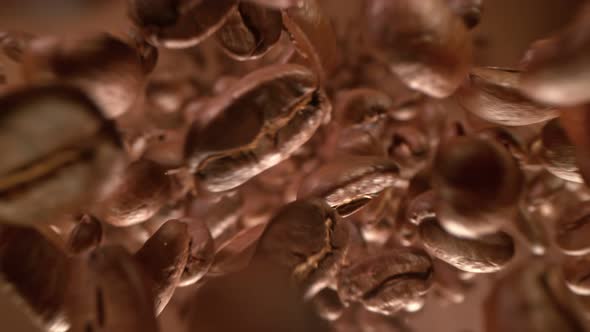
250,31
493,94
257,123
524,300
57,153
308,239
236,254
557,70
571,235
278,4
486,254
575,121
516,145
201,252
142,189
422,207
533,232
14,43
576,272
387,282
469,10
36,273
163,258
110,292
361,107
107,69
477,183
348,184
558,153
327,304
430,53
409,148
86,235
179,24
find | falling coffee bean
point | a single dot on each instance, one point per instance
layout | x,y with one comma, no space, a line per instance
571,235
201,252
558,153
576,272
86,235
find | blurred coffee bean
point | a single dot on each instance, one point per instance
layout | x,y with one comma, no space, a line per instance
387,282
557,70
422,207
107,69
478,183
349,183
430,52
308,239
409,148
256,124
58,152
14,43
163,258
201,252
278,4
448,286
486,254
86,235
575,122
571,236
328,304
236,254
250,31
523,300
110,293
179,24
35,273
493,94
517,146
221,214
576,272
361,107
142,189
557,152
469,10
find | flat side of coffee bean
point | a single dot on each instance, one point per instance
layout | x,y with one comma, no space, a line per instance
57,151
201,252
250,31
141,191
86,235
110,292
430,53
493,94
387,282
487,254
558,153
347,184
35,273
307,238
163,257
179,24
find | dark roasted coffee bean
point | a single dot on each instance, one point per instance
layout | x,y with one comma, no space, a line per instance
308,239
558,153
86,235
37,273
107,69
571,236
361,107
57,152
486,254
179,23
430,53
201,252
278,4
349,183
387,282
250,31
575,123
493,94
576,272
256,124
469,10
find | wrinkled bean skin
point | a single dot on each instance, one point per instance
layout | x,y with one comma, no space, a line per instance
36,273
557,70
308,239
387,282
572,230
558,152
92,64
576,271
163,257
179,24
487,254
141,191
348,184
429,55
269,113
58,152
492,94
523,300
86,235
250,31
201,252
111,293
478,183
469,10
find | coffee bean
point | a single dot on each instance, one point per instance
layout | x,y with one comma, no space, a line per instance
201,252
469,10
571,235
86,235
558,153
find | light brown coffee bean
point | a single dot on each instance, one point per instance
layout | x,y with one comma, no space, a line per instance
430,53
163,258
308,239
36,273
201,252
486,254
57,153
179,24
250,31
86,235
387,282
558,153
493,94
257,123
349,183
